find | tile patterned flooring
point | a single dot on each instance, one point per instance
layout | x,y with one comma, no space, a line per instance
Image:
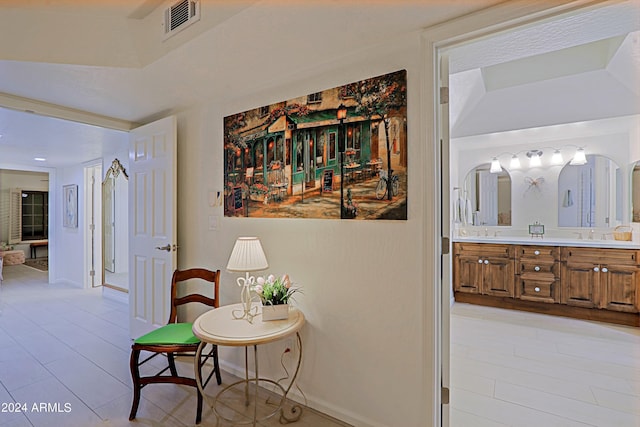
62,345
69,348
511,368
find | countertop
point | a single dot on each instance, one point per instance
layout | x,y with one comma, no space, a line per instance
551,241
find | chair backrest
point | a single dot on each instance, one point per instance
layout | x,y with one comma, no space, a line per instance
182,276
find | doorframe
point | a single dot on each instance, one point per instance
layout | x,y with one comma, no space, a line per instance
434,41
93,214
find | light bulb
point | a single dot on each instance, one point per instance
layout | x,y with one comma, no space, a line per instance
534,159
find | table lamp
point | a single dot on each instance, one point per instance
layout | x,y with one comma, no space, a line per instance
247,255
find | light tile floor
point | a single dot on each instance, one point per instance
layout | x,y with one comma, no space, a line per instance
68,348
511,368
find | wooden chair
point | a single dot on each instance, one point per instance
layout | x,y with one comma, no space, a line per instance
176,338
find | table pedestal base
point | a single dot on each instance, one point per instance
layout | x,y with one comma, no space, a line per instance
251,412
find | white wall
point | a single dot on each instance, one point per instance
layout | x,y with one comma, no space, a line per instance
363,336
70,241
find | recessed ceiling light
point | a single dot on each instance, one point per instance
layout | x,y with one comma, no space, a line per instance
39,159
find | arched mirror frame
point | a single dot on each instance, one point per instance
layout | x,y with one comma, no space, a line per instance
568,199
635,191
108,188
468,195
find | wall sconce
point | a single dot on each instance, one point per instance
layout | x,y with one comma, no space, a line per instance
534,158
580,158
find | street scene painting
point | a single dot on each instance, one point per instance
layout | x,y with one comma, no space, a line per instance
336,154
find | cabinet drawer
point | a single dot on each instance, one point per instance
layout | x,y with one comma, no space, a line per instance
483,249
601,256
533,267
550,253
537,288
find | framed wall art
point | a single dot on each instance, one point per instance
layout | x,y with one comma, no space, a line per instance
70,206
336,154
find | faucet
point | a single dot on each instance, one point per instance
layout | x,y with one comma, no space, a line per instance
486,232
591,233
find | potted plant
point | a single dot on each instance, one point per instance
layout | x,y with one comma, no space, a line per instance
275,294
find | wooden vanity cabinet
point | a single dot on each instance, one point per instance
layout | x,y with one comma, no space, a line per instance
601,278
582,282
538,273
485,269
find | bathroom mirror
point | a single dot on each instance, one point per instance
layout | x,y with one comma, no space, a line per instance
115,230
590,195
635,192
485,198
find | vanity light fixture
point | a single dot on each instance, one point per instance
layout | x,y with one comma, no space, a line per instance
534,158
579,158
495,166
556,158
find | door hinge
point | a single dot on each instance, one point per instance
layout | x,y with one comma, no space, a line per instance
444,95
445,246
444,395
92,273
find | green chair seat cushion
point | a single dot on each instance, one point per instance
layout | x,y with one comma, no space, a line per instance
173,333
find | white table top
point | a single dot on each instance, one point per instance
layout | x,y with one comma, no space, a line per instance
218,326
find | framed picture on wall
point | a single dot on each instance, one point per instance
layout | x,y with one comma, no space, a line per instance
70,206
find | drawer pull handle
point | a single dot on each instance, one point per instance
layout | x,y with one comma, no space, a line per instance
536,268
596,269
536,252
605,269
486,261
537,289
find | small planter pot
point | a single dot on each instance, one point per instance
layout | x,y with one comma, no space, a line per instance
275,312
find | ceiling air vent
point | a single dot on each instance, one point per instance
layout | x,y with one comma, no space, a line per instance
180,15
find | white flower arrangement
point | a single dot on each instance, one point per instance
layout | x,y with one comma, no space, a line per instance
274,291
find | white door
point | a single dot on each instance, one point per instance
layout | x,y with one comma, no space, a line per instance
152,223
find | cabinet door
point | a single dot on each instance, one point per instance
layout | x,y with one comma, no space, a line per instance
468,274
580,285
620,286
498,277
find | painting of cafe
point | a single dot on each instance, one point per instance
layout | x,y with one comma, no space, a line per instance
336,154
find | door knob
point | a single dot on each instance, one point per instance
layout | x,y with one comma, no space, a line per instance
596,269
605,269
537,289
479,261
536,252
486,261
536,268
166,247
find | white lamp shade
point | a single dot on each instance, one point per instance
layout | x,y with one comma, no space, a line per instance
580,158
247,255
557,159
515,162
495,166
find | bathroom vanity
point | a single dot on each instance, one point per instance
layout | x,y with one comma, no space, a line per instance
586,279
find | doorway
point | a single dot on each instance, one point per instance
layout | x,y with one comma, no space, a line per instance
470,316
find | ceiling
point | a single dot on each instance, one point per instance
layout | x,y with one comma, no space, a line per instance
110,62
